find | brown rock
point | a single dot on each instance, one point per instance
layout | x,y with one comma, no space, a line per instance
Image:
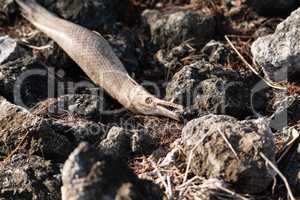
29,177
22,131
90,175
172,28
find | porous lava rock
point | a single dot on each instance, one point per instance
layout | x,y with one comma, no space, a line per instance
279,53
206,88
223,147
82,105
8,13
292,170
30,177
76,116
25,81
273,7
286,110
171,59
158,3
123,143
10,49
170,29
89,175
24,132
93,14
216,52
79,129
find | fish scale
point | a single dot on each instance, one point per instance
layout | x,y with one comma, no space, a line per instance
96,58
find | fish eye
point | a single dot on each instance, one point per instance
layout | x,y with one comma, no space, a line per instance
149,100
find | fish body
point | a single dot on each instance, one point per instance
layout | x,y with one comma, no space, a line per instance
96,58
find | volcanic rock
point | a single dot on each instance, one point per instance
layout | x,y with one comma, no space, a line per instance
29,177
206,88
90,175
223,147
279,54
273,7
172,28
24,132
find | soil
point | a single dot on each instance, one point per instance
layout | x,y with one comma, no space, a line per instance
58,140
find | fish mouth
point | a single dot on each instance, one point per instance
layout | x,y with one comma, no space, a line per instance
168,109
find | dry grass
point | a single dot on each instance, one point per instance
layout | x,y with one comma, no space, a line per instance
178,181
167,166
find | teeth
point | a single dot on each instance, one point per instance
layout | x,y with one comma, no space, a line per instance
169,104
169,109
168,113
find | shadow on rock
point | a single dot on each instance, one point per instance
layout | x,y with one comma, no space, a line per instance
29,177
90,175
21,131
223,147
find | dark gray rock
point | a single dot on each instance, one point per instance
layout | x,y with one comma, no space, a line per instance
78,130
279,54
243,167
216,52
263,31
35,135
171,60
75,116
93,14
29,177
122,143
7,12
160,3
90,175
142,142
286,110
213,52
117,143
81,105
273,7
24,81
9,49
292,170
125,44
170,29
206,88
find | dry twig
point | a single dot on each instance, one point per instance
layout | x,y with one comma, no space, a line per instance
17,147
268,162
162,179
268,82
288,146
228,143
39,48
191,157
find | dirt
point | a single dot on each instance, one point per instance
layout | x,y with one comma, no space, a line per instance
60,140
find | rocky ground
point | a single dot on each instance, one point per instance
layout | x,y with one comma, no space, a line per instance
232,64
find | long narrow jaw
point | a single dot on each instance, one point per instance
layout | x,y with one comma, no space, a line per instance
150,105
168,109
143,102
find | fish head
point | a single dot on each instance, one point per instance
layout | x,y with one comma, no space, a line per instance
145,103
